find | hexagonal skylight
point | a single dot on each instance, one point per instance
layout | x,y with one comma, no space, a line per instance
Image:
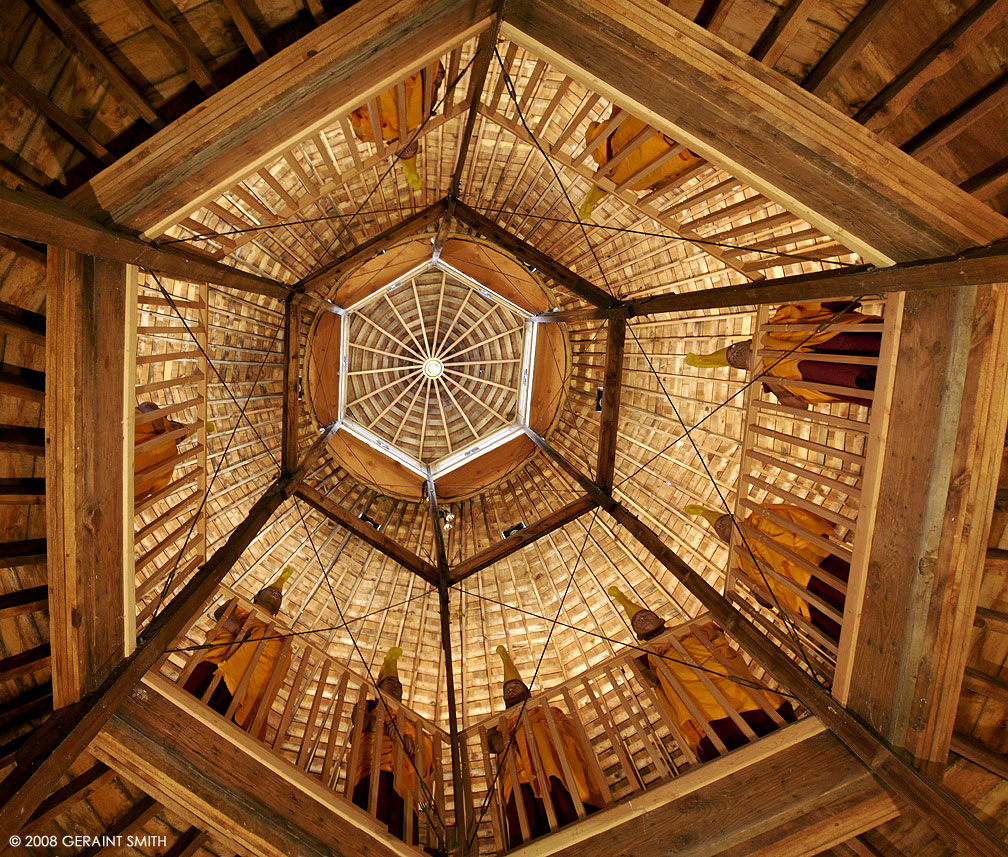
436,369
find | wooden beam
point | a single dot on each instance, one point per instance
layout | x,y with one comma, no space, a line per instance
89,511
19,709
846,49
530,255
136,817
953,123
937,807
521,539
25,249
292,378
32,600
712,14
293,94
485,48
984,685
179,45
979,754
79,41
60,120
334,272
609,419
24,663
993,620
989,181
188,843
65,796
378,540
22,323
733,111
199,765
44,758
774,40
22,439
41,218
928,517
247,30
821,794
975,267
25,552
24,383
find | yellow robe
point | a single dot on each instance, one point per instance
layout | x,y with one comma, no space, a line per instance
386,761
234,658
784,340
692,684
388,112
145,484
652,149
525,767
769,558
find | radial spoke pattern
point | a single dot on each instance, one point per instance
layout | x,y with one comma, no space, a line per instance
433,365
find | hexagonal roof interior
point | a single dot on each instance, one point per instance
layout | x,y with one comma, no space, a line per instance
537,187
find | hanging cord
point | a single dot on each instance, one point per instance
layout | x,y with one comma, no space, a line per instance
242,408
428,794
646,234
502,757
783,615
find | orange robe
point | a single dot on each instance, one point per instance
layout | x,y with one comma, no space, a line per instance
769,558
388,112
784,340
152,455
693,685
525,767
233,658
648,152
386,761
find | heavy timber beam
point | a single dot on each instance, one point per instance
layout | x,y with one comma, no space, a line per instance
609,418
527,253
458,790
756,124
290,96
820,795
515,542
393,550
35,217
292,375
369,249
45,757
937,807
90,381
201,766
976,267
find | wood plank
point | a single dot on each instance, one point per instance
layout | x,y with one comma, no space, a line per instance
32,600
22,323
517,541
87,301
79,41
760,127
527,253
821,796
294,93
46,219
372,247
193,761
973,268
932,515
332,510
63,736
936,806
24,663
94,777
609,418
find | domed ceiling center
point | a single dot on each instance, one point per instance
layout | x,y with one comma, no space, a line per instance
436,367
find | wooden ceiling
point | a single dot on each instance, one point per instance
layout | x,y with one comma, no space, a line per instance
93,89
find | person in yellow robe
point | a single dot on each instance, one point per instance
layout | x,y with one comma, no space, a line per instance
390,806
388,120
798,368
150,452
230,654
768,558
647,625
534,790
653,148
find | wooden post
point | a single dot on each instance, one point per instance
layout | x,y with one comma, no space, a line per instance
937,807
609,421
89,468
461,825
61,739
292,369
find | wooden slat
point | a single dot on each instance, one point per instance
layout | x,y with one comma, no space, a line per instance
875,199
64,735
